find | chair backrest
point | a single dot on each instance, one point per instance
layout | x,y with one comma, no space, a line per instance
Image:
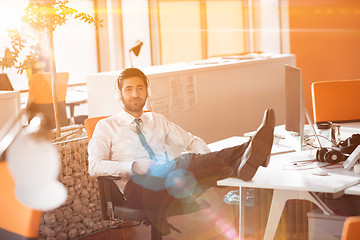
40,87
351,229
17,221
336,100
108,191
90,124
40,94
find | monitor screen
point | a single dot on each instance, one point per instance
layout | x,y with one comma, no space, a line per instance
294,101
5,84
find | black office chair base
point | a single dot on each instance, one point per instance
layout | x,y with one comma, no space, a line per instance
4,234
156,234
122,226
114,206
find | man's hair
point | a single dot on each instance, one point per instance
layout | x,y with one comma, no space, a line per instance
131,72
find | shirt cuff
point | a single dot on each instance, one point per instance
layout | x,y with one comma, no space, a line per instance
127,167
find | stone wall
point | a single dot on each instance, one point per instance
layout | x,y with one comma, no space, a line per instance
80,215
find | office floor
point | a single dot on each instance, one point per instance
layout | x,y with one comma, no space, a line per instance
216,223
142,232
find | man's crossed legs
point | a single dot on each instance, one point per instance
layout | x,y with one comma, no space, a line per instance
189,175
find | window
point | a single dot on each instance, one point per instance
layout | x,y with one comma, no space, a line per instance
75,45
188,30
225,27
191,30
10,18
198,29
74,42
180,31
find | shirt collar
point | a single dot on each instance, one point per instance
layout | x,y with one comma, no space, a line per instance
127,119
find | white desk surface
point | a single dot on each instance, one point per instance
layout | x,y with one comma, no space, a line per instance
291,175
348,129
74,95
283,174
227,142
354,190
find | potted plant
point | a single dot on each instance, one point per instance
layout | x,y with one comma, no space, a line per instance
46,16
7,61
12,55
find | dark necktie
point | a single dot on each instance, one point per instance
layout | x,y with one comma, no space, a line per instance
143,140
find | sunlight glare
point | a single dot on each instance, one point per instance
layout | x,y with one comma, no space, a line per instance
11,12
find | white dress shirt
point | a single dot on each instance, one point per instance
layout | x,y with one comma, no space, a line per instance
115,145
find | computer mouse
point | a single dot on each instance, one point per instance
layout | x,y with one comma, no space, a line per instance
320,172
357,169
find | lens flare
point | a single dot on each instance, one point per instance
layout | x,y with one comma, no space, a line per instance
226,229
180,183
162,170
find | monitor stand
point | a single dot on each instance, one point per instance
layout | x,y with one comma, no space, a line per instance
295,140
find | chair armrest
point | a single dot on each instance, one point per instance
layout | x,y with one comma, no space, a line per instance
109,196
108,178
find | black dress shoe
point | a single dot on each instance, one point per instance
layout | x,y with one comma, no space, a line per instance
258,152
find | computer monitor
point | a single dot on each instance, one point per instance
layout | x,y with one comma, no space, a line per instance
10,107
294,104
5,84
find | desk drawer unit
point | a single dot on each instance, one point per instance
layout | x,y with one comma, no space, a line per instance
324,227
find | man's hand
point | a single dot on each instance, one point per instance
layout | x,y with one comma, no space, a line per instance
141,167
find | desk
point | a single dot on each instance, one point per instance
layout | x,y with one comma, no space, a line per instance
354,190
288,183
75,96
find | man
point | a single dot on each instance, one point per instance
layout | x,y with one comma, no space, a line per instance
135,146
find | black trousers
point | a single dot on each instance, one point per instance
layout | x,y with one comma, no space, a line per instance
182,179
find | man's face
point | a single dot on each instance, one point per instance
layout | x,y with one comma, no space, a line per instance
134,94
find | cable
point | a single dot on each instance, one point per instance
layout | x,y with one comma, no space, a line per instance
308,142
307,165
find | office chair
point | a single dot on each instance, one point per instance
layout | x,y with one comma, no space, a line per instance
17,221
40,94
114,205
351,229
336,101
